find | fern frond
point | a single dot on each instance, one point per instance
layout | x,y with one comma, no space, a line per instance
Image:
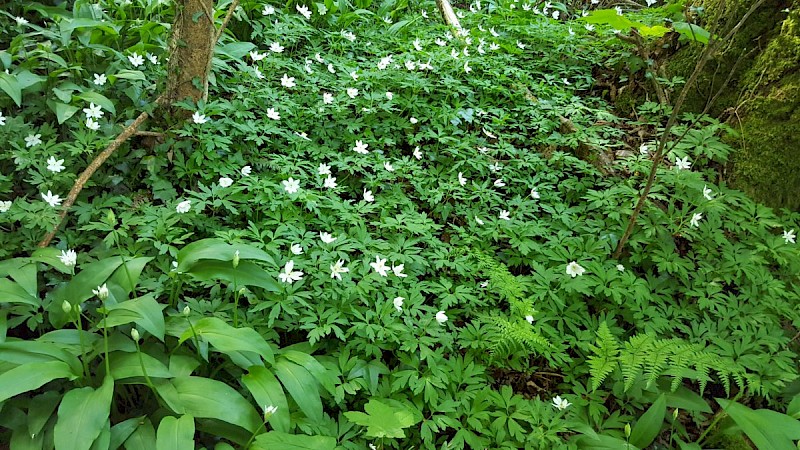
605,358
637,351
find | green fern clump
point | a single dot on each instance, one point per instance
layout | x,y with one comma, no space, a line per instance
513,330
644,355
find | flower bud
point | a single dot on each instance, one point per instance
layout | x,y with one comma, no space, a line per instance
627,430
66,307
675,414
186,310
236,259
135,334
242,291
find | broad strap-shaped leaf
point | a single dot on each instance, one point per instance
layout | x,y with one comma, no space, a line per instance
601,442
649,425
30,376
245,274
285,441
98,99
326,378
123,430
175,433
79,289
125,278
267,391
82,416
302,386
209,399
765,431
143,438
226,338
12,292
40,409
128,365
218,250
10,85
23,352
146,312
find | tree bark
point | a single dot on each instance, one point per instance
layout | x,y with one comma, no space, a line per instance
191,49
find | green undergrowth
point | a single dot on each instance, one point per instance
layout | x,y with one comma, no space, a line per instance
424,262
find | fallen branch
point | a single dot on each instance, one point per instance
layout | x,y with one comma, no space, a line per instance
89,171
449,16
126,133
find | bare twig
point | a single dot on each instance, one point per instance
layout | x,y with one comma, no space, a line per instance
89,171
149,134
709,50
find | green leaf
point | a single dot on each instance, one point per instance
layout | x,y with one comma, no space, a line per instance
11,292
794,407
104,439
687,400
9,85
325,377
302,386
285,441
611,18
245,274
128,74
23,352
226,338
267,391
127,276
235,50
127,365
211,399
80,287
81,416
382,420
31,376
218,250
175,434
692,31
649,425
123,430
765,433
98,99
602,442
144,438
40,409
50,256
147,313
63,111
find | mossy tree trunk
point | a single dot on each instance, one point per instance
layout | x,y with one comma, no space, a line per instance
762,100
190,51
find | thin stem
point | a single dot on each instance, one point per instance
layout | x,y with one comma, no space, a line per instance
105,339
77,323
253,436
144,369
711,47
717,417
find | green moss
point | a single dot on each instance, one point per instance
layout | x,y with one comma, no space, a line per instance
764,92
767,165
